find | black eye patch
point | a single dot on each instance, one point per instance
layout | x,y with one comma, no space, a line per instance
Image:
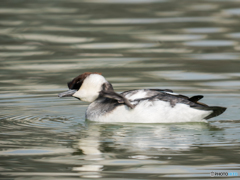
75,85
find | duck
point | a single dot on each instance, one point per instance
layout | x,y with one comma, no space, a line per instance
137,105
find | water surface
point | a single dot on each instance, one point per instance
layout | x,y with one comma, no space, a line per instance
191,47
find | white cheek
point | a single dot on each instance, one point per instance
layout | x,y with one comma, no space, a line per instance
79,94
84,95
92,85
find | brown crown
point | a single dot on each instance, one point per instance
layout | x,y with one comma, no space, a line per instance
76,83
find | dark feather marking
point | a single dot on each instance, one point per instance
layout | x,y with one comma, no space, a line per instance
108,92
107,87
162,90
195,98
160,94
103,105
173,102
172,99
116,96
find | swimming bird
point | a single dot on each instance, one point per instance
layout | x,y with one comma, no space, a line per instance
136,106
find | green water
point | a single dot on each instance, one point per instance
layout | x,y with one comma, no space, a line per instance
191,47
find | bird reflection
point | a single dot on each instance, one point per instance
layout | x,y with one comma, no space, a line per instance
101,143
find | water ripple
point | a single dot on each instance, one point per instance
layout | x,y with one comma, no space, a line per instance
124,1
206,30
234,35
189,46
211,43
30,152
37,10
181,75
160,50
52,38
22,54
152,20
18,47
116,45
213,56
171,37
234,11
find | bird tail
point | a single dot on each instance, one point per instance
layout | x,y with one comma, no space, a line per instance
216,110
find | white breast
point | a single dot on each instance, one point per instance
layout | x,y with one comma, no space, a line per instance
153,112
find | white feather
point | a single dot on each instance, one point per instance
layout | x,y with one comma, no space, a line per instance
154,112
138,95
90,88
171,93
